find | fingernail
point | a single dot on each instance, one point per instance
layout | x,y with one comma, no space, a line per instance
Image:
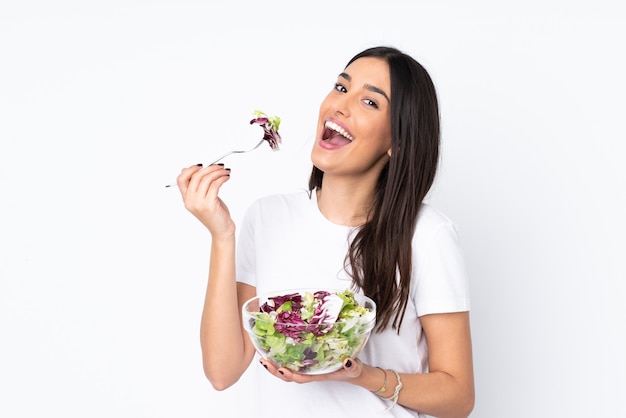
349,363
222,164
264,365
199,165
281,372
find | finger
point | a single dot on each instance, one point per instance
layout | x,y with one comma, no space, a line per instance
270,367
352,367
183,179
290,376
210,184
206,175
284,373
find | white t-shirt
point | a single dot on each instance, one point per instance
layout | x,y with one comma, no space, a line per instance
286,243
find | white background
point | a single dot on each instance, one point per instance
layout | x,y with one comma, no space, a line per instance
102,271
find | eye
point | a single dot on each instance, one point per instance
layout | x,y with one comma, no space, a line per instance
371,103
340,87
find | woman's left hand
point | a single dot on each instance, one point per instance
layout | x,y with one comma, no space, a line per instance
352,369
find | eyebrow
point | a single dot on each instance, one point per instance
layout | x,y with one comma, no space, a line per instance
367,86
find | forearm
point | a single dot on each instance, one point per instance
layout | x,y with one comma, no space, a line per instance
221,336
437,394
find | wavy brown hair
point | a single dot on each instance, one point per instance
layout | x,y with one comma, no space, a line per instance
380,254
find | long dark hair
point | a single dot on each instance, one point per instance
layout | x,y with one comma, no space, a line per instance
381,249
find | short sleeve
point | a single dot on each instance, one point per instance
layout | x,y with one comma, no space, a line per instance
441,281
246,255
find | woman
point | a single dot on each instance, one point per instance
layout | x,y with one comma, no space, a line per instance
361,223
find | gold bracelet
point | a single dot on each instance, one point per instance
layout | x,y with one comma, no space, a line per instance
383,388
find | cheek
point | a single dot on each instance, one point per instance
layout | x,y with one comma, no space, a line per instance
380,135
385,134
327,105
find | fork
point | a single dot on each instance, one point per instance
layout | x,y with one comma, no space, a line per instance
226,155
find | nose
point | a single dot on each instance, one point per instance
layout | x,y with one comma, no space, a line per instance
342,105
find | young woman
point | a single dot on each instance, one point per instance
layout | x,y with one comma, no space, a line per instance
362,224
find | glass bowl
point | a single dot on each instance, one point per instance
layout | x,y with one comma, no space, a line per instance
309,331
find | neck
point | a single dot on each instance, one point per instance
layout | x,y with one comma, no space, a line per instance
345,202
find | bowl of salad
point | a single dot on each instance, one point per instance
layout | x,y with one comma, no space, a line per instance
309,331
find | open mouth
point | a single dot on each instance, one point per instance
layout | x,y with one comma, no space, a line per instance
335,134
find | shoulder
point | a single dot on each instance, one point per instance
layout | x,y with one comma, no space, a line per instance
298,197
429,219
431,224
280,204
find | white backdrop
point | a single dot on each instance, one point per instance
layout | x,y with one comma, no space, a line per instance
102,271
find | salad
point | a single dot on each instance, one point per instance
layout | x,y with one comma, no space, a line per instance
311,332
270,125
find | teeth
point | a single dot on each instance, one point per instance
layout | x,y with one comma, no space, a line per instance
339,129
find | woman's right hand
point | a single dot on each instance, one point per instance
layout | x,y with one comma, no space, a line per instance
199,187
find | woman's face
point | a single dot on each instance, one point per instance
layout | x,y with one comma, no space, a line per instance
354,128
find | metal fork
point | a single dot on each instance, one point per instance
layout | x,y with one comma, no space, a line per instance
226,155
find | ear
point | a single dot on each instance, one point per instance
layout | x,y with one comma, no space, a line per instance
389,152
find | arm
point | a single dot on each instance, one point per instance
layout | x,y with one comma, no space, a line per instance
446,391
226,350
